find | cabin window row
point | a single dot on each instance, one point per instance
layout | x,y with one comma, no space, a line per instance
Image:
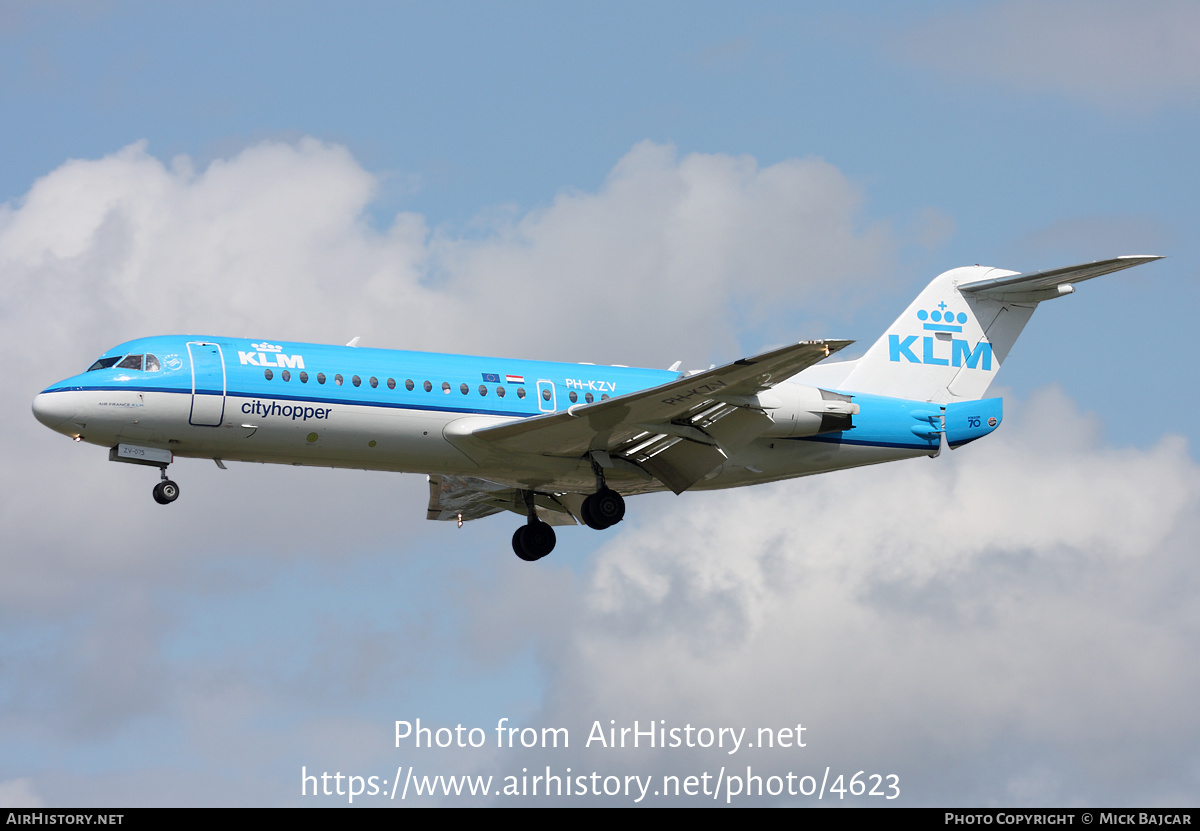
409,385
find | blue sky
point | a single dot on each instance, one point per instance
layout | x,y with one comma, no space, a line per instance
626,183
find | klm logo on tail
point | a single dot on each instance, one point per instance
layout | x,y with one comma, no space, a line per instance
934,350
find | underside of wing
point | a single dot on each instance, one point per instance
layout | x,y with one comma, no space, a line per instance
463,498
677,432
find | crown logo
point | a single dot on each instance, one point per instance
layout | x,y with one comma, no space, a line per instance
942,319
266,347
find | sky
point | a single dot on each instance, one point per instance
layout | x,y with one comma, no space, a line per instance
1009,625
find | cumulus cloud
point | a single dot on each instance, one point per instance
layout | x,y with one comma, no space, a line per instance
19,793
981,636
1122,56
275,241
666,260
1017,613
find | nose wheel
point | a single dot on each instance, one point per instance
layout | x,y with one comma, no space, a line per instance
166,491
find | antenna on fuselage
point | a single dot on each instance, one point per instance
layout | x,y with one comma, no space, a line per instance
353,342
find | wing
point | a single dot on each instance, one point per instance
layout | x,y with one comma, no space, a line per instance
677,432
465,498
1046,285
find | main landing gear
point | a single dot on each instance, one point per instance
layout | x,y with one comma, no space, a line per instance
604,508
535,539
166,491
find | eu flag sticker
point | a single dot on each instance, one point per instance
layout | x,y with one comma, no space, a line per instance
491,378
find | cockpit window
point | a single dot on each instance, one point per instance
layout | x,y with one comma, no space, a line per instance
131,362
152,364
103,363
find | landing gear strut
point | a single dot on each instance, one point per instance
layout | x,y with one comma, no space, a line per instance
166,491
604,508
535,539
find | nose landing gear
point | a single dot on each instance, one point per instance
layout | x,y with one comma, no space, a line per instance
166,491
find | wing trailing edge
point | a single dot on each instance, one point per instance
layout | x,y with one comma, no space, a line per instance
677,432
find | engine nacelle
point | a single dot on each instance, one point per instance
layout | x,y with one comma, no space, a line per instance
800,410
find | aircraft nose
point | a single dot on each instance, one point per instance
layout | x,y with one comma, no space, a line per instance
52,409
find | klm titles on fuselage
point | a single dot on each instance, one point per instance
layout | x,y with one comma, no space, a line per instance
270,355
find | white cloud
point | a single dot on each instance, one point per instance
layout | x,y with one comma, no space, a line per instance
1021,606
1122,56
19,793
99,582
275,241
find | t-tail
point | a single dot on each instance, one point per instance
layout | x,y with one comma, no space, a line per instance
950,342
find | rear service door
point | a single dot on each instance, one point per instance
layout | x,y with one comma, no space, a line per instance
208,384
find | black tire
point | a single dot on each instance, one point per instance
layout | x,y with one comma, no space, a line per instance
587,515
603,509
538,540
608,507
518,544
166,492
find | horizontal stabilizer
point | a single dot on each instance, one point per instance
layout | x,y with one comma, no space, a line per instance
1044,285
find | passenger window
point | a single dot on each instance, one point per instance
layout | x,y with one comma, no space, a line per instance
408,385
604,397
152,364
428,386
446,387
374,382
499,392
320,377
131,362
285,375
520,392
464,389
337,379
482,389
546,394
268,374
391,383
589,398
356,381
571,395
303,377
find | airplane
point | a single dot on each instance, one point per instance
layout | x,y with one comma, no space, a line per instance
561,443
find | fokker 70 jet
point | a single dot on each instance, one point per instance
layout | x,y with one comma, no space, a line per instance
564,443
